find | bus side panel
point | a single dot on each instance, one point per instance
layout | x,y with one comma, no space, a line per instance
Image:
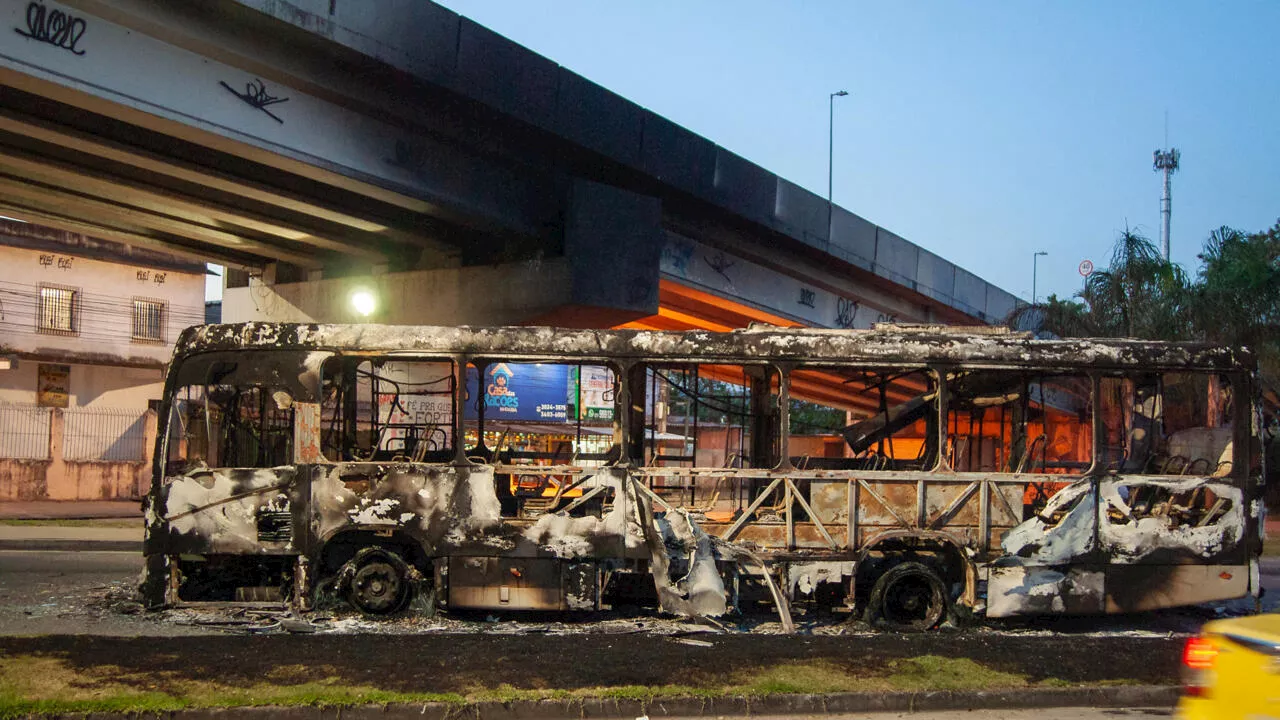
456,511
1134,588
230,511
1044,590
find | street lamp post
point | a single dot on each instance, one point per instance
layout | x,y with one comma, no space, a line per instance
831,137
1035,259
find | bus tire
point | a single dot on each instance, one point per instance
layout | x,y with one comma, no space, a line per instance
379,582
908,597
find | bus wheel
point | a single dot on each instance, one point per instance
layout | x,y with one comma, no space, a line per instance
909,597
379,583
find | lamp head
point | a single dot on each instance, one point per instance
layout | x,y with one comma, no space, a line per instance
364,302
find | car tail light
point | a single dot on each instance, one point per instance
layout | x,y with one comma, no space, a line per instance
1198,658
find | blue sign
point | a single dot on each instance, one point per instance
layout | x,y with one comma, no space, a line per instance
537,392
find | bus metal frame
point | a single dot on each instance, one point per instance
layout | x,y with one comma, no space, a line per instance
383,530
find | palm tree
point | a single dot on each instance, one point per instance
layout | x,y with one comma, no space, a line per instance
1139,295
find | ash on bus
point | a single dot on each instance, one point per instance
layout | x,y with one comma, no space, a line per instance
903,473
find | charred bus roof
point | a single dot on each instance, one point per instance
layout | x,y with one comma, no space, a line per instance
882,345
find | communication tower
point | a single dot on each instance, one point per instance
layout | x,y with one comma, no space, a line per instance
1167,161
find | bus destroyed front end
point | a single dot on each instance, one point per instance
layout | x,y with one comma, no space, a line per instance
1116,545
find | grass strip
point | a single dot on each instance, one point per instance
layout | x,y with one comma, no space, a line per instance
48,685
67,522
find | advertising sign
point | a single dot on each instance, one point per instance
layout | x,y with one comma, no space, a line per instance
596,392
53,385
514,391
540,392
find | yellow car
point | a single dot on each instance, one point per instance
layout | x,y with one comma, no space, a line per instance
1232,670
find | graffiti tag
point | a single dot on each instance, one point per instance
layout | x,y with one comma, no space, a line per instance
255,95
53,27
846,309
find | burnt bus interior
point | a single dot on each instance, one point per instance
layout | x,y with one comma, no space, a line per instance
773,455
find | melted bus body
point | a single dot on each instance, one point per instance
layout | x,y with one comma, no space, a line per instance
902,472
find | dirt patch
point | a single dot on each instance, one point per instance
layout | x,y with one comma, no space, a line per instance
449,663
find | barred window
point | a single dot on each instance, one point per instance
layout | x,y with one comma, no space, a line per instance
148,319
59,310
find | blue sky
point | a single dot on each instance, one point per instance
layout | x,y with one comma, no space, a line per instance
982,131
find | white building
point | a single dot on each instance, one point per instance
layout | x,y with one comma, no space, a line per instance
86,327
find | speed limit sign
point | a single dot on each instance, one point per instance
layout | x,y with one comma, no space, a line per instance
1086,268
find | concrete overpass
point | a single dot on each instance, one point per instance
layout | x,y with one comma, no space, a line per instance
319,146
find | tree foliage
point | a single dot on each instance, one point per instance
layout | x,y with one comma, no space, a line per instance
1237,293
1234,298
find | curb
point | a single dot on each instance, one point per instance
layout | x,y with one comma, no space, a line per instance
72,545
774,705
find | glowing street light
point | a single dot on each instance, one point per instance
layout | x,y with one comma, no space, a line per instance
364,302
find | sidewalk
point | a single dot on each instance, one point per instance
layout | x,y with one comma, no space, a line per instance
73,526
70,509
73,539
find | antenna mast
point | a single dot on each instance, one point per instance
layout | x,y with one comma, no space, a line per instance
1167,161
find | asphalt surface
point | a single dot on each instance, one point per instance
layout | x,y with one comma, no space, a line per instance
53,592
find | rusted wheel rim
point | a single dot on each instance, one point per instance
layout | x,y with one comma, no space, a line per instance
913,600
377,587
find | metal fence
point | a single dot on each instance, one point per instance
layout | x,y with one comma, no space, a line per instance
104,434
24,431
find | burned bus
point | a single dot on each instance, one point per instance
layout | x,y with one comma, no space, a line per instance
903,473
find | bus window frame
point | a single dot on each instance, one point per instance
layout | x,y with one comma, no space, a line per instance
946,393
396,356
179,377
933,372
773,370
480,454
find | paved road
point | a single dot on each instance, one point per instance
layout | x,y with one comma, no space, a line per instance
71,593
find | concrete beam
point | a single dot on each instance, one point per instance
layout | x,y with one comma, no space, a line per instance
158,201
46,199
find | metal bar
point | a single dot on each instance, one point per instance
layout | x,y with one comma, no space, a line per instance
852,524
1017,516
884,504
984,515
585,497
651,494
816,522
788,506
738,524
955,505
920,504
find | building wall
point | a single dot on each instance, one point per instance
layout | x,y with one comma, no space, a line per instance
106,294
94,386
